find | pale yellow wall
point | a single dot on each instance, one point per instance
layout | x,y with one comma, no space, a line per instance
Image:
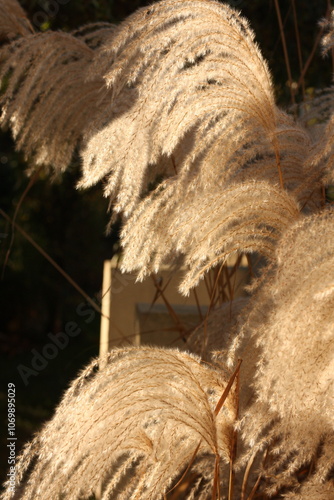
137,307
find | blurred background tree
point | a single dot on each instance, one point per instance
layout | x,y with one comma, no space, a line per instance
70,225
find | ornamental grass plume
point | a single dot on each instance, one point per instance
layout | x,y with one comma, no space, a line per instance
212,136
139,421
174,111
293,411
48,94
13,21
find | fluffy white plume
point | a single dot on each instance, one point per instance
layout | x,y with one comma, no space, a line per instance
294,380
174,109
134,425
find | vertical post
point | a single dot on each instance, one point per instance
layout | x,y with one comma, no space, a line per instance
104,329
105,320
